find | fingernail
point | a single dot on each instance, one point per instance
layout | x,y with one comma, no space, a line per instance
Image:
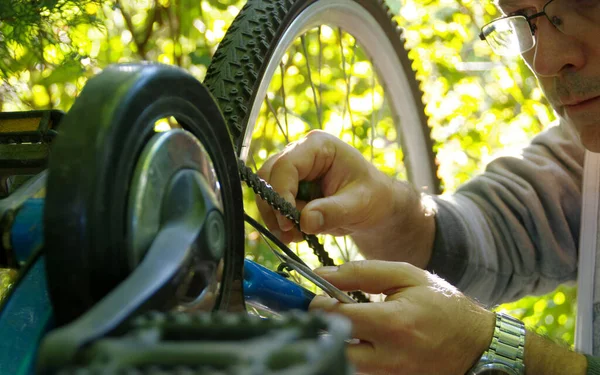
323,303
284,223
326,270
280,220
316,217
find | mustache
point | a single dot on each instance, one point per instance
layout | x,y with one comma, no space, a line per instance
571,86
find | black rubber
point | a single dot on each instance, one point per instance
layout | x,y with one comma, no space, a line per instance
239,63
91,167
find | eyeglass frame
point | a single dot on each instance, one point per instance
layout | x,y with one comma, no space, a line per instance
532,27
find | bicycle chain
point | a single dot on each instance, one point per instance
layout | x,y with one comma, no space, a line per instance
276,201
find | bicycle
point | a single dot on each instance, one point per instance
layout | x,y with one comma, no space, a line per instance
85,182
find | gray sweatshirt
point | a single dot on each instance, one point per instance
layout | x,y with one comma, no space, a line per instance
514,230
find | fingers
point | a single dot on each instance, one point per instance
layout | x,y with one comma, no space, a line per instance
378,346
363,316
305,160
374,276
350,191
371,359
361,355
272,219
332,214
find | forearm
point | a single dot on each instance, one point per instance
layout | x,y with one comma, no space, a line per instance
514,229
407,235
544,357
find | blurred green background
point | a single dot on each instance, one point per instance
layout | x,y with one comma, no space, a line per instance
479,105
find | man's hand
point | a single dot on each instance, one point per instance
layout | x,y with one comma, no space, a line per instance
425,325
384,217
352,187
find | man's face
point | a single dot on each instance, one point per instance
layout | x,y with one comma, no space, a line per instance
567,66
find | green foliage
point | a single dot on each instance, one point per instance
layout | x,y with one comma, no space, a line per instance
49,48
478,104
40,32
552,315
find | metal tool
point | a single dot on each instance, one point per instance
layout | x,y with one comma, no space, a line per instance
294,262
308,274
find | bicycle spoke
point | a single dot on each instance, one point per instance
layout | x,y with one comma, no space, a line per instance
320,77
349,90
347,81
253,162
376,120
343,251
372,115
380,110
346,246
312,84
282,89
272,110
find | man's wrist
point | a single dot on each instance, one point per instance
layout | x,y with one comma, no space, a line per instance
545,357
505,351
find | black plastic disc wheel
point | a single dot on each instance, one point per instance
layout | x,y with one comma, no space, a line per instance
91,169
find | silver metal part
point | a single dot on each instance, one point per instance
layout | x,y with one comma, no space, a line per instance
308,274
164,156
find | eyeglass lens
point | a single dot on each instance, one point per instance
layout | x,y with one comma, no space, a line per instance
513,35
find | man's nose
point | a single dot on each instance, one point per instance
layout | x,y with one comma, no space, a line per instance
555,51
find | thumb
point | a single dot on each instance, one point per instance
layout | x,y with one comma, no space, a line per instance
374,276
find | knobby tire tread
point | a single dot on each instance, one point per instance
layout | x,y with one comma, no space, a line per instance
238,65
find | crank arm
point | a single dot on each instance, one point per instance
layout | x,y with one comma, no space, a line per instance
156,276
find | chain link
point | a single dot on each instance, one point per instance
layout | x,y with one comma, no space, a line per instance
276,201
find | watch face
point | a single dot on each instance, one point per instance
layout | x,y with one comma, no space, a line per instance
494,369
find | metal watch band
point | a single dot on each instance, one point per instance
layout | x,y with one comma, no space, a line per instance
507,347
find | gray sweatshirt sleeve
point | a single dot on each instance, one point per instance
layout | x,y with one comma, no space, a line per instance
514,230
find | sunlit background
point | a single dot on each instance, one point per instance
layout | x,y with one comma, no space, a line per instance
479,105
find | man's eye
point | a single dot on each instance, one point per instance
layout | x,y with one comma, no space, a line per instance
523,12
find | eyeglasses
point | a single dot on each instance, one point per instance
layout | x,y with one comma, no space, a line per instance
515,34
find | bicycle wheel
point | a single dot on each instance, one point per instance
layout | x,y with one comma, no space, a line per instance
111,168
287,67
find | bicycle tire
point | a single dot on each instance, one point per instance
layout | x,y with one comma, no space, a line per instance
241,65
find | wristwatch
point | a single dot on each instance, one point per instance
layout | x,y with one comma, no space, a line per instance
505,354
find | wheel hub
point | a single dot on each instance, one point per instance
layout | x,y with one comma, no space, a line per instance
173,180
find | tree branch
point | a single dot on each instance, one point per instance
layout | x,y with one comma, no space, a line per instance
141,48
